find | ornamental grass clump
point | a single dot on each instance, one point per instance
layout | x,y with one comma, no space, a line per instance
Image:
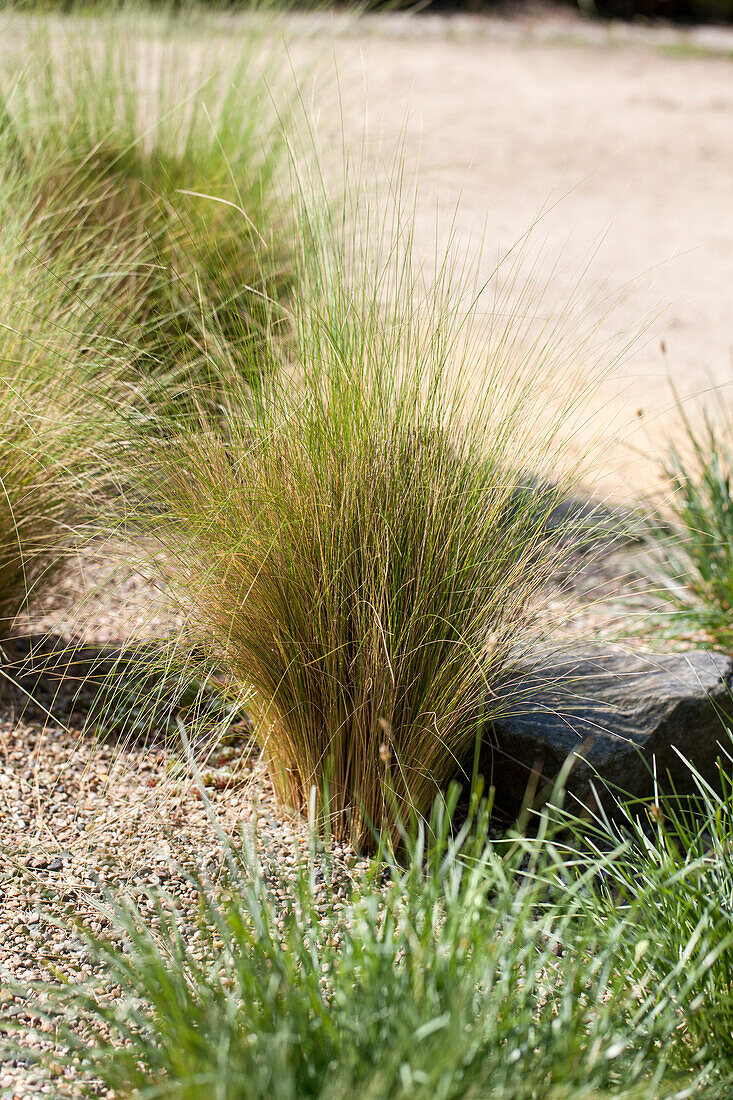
362,542
114,265
691,540
167,193
52,435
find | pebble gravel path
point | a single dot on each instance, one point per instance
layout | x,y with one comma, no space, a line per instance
80,816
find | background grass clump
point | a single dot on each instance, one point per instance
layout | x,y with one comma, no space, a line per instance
169,195
138,213
52,432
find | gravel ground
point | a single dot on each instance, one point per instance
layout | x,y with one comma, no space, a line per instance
79,816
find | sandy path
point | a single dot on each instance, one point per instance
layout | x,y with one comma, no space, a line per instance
637,140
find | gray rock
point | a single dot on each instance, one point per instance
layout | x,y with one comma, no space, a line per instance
619,715
580,522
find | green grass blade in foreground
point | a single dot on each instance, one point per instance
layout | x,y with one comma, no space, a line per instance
463,975
670,885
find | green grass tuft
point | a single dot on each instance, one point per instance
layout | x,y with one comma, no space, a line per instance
670,888
468,974
691,543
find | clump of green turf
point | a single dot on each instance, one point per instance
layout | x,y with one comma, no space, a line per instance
665,877
469,970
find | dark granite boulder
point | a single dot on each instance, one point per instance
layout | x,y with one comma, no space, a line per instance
620,715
